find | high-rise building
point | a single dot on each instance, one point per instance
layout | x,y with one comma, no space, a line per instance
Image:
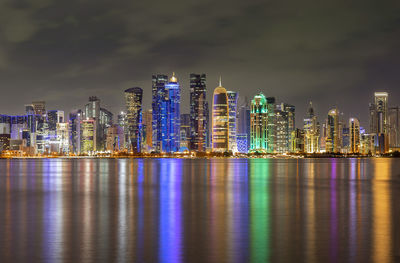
220,120
354,135
75,118
39,107
148,130
88,136
259,123
379,120
297,141
311,131
133,102
271,129
54,117
199,116
243,127
115,138
332,132
171,114
284,125
92,109
159,109
232,104
185,131
394,128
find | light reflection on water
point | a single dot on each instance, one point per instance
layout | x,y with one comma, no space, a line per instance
218,210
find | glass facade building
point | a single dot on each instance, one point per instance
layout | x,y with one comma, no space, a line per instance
133,101
199,115
220,120
232,103
259,124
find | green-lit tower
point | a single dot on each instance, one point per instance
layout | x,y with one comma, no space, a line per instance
258,123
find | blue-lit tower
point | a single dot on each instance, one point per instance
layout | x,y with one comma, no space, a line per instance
171,114
158,109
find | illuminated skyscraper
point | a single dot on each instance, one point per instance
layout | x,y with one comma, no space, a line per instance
133,101
220,120
243,127
199,116
311,131
332,132
394,130
379,120
92,109
259,123
284,125
354,135
88,136
185,131
232,104
148,129
171,113
39,107
271,129
75,131
159,109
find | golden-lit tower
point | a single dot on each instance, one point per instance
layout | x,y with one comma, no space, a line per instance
220,120
354,127
332,132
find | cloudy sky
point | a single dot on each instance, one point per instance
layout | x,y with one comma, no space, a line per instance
331,52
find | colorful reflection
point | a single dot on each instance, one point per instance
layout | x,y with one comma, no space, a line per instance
259,211
200,210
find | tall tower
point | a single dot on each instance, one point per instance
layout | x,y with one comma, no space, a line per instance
354,130
311,131
259,123
171,131
198,112
133,101
232,104
271,129
379,120
243,126
220,120
158,105
332,131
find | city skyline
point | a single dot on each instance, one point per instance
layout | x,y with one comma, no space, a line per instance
64,53
185,103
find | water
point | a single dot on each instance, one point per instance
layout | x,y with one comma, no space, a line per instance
219,210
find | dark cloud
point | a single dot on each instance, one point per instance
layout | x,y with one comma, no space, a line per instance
334,53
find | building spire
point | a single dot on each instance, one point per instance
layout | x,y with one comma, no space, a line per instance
220,81
173,78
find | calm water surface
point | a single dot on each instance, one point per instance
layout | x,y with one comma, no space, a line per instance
219,210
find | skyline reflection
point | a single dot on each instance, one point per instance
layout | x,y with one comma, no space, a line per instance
195,210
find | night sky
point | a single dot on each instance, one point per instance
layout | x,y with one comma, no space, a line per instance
330,52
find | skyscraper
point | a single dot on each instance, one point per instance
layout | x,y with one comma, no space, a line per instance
75,131
332,132
354,135
159,108
379,120
88,136
271,128
394,128
39,107
198,112
171,129
148,129
243,125
259,123
220,120
185,131
133,101
232,104
284,125
311,131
